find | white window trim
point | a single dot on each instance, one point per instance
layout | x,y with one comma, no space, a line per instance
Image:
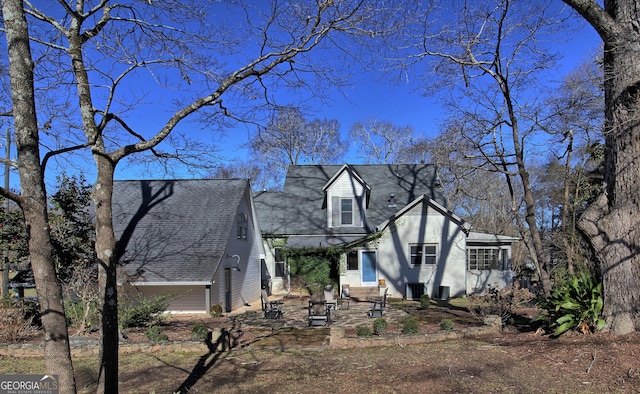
423,254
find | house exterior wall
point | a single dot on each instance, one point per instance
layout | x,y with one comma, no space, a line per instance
184,299
245,284
421,225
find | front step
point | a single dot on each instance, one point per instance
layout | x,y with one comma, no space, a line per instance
364,293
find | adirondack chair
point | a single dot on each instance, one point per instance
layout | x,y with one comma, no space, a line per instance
319,313
271,309
345,297
331,302
378,306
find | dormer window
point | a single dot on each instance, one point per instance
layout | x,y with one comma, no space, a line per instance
346,211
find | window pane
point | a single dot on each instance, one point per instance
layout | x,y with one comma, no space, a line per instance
430,254
416,254
278,254
352,261
346,209
280,270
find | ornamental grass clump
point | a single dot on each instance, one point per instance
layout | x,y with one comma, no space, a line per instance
200,332
446,325
364,331
155,334
379,326
425,301
410,325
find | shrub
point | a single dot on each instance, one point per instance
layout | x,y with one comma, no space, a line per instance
144,313
446,325
200,332
16,323
575,302
379,326
410,325
364,331
425,301
215,310
499,302
83,317
155,334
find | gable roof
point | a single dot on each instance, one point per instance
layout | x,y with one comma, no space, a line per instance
175,231
464,226
298,209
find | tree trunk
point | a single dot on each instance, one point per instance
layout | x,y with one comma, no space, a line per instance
106,251
611,223
33,200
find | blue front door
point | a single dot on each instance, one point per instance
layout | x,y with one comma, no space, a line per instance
369,267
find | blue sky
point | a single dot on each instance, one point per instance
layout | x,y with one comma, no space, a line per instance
404,104
401,104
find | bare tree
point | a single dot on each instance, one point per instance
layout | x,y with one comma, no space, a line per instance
611,222
575,118
32,198
488,56
381,142
89,55
289,139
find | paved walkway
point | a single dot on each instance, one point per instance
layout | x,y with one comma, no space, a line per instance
296,312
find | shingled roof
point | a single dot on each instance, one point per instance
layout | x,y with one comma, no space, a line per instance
175,230
300,209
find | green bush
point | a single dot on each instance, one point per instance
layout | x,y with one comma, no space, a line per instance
155,334
446,325
379,326
364,331
200,332
425,301
81,316
575,303
143,313
410,325
215,310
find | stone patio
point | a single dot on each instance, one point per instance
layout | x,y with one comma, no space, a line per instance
295,315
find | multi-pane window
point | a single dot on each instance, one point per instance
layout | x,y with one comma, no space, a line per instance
352,261
243,225
346,211
423,253
485,259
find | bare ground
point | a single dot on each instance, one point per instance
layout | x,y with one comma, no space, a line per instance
518,360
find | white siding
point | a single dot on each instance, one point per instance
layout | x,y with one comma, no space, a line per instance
422,226
188,299
346,187
245,284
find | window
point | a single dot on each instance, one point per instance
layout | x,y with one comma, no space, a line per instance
424,254
352,261
346,211
280,268
485,259
243,225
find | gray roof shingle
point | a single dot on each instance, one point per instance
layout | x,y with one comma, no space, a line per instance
299,209
175,230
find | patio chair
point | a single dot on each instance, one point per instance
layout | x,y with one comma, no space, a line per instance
319,313
345,297
330,301
378,305
271,309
